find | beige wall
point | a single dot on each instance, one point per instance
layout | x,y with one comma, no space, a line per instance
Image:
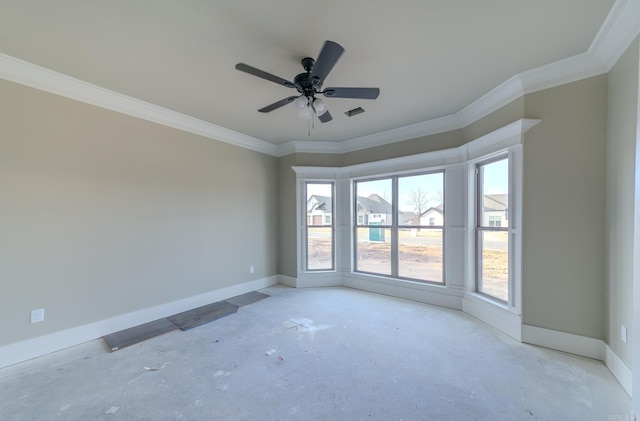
563,208
499,118
103,214
621,150
287,235
435,142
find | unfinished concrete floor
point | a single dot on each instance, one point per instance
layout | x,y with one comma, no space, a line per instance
317,354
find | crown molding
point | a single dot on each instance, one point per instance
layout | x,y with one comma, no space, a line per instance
29,74
617,32
498,97
412,131
387,137
309,146
500,139
619,29
564,71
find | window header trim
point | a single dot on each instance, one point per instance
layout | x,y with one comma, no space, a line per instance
500,139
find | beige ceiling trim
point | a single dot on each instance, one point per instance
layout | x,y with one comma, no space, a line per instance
619,29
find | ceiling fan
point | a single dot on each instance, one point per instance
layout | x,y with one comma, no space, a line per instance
309,84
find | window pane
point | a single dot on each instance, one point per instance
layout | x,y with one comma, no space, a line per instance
319,222
494,263
494,181
420,254
373,250
319,248
373,202
319,203
420,199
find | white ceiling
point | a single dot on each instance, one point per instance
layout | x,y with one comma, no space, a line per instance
430,58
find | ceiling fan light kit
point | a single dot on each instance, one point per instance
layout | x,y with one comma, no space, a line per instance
309,84
308,106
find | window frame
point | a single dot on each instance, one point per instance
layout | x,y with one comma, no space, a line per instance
513,306
323,225
395,227
480,228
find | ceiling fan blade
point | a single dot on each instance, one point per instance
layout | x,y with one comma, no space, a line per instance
328,57
325,117
278,104
360,93
264,75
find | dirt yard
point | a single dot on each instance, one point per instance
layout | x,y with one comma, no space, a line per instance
417,262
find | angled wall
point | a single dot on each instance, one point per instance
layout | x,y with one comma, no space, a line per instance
564,208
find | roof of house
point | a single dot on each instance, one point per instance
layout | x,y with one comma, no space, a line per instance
374,204
439,209
495,202
318,202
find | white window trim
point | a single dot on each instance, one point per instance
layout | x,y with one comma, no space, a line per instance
459,229
305,256
395,225
514,155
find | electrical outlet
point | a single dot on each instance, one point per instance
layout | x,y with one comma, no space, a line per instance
623,333
37,316
251,269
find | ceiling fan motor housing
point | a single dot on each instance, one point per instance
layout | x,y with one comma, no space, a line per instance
304,84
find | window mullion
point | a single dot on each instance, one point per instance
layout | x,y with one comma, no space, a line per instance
394,228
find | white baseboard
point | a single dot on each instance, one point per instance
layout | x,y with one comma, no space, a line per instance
319,279
420,293
548,338
580,345
42,345
562,341
502,319
289,281
620,370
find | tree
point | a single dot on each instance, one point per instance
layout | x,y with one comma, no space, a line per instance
419,201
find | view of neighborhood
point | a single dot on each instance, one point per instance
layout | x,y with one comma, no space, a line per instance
419,235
